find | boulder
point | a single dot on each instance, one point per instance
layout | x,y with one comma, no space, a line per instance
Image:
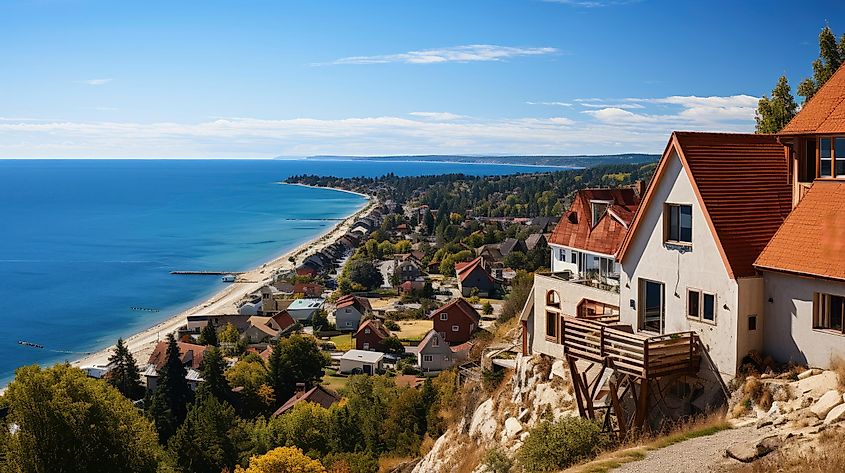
748,452
828,401
483,423
805,374
835,415
512,428
558,369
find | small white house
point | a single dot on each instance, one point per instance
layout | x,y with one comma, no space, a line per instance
361,361
304,309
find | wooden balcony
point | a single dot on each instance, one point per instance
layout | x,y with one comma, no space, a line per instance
641,356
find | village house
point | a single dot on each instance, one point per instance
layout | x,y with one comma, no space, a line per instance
318,395
349,310
714,202
191,356
536,241
263,328
371,336
475,278
307,290
456,321
408,287
304,309
273,300
434,353
361,361
406,267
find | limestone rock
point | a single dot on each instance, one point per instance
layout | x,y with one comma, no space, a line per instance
835,415
512,428
748,452
805,374
558,369
483,423
828,401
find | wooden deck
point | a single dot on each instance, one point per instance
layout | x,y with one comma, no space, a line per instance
641,356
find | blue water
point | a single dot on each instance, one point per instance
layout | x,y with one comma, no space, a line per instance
84,241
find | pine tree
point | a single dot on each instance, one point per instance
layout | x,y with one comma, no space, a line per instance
208,336
124,374
170,400
208,439
214,380
831,56
773,113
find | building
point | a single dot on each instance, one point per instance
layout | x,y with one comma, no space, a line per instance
456,321
191,356
318,395
266,328
475,278
435,354
536,241
304,309
714,203
407,268
349,310
308,289
361,361
371,335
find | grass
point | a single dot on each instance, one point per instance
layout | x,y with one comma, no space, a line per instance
413,329
343,342
334,382
701,427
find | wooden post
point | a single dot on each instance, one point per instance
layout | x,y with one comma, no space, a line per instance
576,381
617,409
601,341
642,407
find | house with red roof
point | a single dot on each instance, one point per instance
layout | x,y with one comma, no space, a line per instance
349,310
687,260
318,395
456,321
371,335
474,277
190,354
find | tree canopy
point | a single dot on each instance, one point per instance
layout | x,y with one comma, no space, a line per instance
282,460
124,374
296,359
172,395
831,56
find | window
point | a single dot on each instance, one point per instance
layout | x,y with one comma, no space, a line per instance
367,331
444,316
455,328
562,254
598,208
825,158
573,257
701,306
752,323
428,358
839,155
551,325
828,311
553,299
366,346
435,341
679,223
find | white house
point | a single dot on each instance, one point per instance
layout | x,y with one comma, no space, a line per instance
435,354
304,309
361,361
687,261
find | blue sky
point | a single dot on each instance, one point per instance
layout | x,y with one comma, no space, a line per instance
86,78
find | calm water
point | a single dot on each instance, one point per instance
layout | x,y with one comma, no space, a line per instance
84,241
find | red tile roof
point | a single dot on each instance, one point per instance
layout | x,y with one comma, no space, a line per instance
284,320
318,395
576,228
824,113
812,239
361,303
187,351
742,185
463,270
376,326
461,306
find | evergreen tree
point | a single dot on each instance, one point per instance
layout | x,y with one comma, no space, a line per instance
208,439
170,401
124,374
208,336
214,380
294,360
831,56
773,113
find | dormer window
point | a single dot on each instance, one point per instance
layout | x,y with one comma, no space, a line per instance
599,208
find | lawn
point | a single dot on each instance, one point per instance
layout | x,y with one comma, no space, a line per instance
334,382
343,342
413,329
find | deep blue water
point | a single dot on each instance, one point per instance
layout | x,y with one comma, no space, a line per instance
84,241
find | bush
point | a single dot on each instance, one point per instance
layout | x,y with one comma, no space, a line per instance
391,325
497,461
553,446
491,379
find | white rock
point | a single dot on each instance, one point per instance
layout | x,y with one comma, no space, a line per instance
815,386
828,401
558,369
774,410
524,436
483,423
805,374
835,415
512,428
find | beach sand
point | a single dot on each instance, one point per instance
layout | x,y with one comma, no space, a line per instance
142,344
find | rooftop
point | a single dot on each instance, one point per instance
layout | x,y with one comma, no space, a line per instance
824,113
363,355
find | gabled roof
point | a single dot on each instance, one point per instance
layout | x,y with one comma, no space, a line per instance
459,306
534,239
375,327
742,184
812,239
318,395
284,320
349,300
187,351
577,230
463,270
824,112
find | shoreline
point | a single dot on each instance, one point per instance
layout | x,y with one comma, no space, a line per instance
141,344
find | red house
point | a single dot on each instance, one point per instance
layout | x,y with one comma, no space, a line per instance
371,335
456,321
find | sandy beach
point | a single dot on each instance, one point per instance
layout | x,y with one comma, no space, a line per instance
224,302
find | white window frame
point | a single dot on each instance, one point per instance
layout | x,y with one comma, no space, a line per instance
427,358
444,316
456,328
700,316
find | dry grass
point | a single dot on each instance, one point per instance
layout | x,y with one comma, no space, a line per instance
826,456
414,329
636,450
387,464
837,365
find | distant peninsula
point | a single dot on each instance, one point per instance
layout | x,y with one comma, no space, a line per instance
575,161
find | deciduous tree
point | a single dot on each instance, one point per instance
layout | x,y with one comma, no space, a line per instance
831,56
773,113
282,460
296,359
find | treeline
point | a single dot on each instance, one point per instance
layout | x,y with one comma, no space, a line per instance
517,195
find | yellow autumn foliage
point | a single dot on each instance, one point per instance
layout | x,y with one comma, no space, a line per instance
282,460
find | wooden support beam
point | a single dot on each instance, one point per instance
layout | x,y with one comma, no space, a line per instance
576,381
617,409
642,406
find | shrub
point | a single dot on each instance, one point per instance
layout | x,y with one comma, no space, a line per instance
491,379
553,446
496,461
392,325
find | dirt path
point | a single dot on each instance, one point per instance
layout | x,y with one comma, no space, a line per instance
698,455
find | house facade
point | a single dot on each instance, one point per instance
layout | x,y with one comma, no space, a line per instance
349,310
434,353
361,361
456,321
475,277
371,336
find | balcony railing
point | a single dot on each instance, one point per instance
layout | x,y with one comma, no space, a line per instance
609,283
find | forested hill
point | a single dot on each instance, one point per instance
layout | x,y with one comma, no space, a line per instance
517,195
575,161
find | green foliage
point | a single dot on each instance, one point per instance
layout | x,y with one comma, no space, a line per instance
391,325
209,439
831,56
393,346
520,289
230,340
170,400
773,113
553,446
124,375
491,379
362,273
296,359
208,335
347,462
69,422
487,308
282,460
215,383
497,461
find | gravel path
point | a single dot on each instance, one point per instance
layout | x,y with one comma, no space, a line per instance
698,455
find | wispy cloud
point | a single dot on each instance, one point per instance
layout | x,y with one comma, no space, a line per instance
592,3
557,104
682,110
439,116
95,81
468,53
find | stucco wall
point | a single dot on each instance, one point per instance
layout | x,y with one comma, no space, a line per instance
700,267
347,321
788,331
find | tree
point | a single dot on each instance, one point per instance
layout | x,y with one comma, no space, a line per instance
295,360
520,289
214,382
831,56
516,260
230,340
208,439
364,273
172,395
487,308
774,113
208,335
256,396
393,346
124,374
68,422
282,460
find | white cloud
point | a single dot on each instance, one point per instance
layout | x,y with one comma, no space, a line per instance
557,104
468,53
96,81
592,3
439,116
687,110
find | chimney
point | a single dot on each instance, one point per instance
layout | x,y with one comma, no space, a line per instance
300,387
639,187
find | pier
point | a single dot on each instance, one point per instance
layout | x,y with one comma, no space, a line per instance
207,273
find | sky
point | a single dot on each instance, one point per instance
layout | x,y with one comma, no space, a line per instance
260,79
